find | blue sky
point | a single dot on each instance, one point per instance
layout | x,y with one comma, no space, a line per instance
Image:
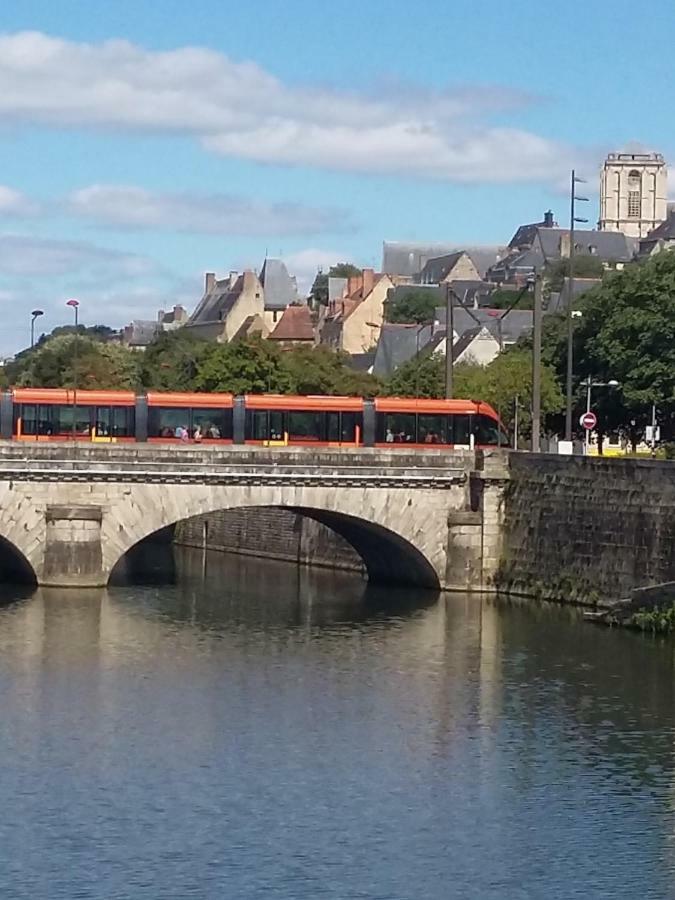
142,144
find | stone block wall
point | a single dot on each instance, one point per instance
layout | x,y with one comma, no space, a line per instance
270,532
587,530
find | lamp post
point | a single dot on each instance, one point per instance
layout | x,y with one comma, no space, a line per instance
74,305
570,328
589,384
34,315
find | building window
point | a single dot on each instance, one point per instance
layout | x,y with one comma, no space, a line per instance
634,194
633,204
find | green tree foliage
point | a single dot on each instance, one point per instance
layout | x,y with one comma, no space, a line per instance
584,267
250,366
319,291
502,298
172,360
626,332
507,377
413,305
256,366
67,359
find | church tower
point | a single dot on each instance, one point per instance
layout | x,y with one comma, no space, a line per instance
633,193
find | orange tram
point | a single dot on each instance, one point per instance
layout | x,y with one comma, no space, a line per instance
53,414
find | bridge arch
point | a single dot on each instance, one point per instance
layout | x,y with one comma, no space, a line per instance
385,539
14,567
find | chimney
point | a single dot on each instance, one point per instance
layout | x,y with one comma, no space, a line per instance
565,245
354,282
209,282
233,278
368,281
160,316
548,219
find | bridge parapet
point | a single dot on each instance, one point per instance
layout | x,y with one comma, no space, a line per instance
74,511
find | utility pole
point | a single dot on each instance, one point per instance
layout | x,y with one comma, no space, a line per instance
536,365
449,340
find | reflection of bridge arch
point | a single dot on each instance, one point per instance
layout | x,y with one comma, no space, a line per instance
386,554
14,567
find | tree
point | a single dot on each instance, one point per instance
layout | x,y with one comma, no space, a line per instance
508,376
626,332
320,370
413,305
250,366
172,360
319,291
68,359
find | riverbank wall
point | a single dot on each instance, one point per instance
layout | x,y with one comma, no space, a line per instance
586,530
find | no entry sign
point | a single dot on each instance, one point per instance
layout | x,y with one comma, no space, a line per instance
589,420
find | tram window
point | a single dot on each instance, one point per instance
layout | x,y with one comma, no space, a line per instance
214,424
487,431
432,429
62,419
114,421
263,425
304,426
333,426
349,421
29,419
164,420
397,428
461,428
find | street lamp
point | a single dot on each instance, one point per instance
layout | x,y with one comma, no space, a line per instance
34,315
74,305
589,384
570,328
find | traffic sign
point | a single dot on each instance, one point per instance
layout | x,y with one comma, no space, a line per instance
588,421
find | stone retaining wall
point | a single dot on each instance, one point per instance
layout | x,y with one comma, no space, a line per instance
271,533
587,530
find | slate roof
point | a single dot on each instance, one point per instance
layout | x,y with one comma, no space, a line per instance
295,324
397,344
141,332
402,258
663,232
558,300
462,343
280,288
609,246
216,305
437,269
361,362
506,327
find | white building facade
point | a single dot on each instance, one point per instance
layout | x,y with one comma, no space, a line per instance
633,193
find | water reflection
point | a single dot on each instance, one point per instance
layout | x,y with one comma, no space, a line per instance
257,731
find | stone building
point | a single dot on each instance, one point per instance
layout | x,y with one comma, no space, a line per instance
453,267
231,307
633,193
352,322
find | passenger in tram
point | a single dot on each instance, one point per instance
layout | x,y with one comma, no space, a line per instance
213,432
389,437
198,434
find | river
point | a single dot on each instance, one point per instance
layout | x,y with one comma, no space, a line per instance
255,731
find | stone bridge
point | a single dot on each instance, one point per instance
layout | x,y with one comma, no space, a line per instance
69,514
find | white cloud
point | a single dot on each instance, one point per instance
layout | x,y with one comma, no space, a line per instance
238,109
14,203
138,208
22,255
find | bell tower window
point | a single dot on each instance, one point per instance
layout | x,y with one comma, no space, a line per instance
634,194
